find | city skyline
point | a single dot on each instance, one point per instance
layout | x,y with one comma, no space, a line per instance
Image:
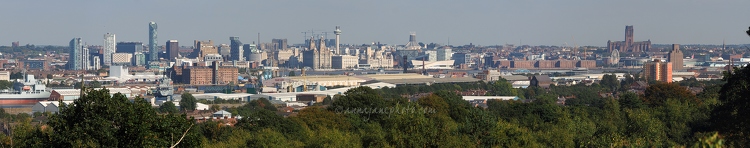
390,22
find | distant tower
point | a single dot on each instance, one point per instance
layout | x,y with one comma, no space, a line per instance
312,46
109,48
338,33
413,44
152,47
236,49
322,44
76,54
173,49
628,36
675,57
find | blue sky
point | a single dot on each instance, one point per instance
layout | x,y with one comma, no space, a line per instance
482,22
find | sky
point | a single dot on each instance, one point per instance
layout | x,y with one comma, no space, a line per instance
479,22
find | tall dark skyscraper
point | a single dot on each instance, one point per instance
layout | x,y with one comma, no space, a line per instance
173,48
236,49
152,41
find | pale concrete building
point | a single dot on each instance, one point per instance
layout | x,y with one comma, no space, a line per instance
344,61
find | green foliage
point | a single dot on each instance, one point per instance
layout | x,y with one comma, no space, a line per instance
187,102
501,88
271,138
168,107
610,81
261,103
260,119
291,74
666,116
96,119
327,101
215,108
730,118
630,100
713,141
4,84
95,84
657,94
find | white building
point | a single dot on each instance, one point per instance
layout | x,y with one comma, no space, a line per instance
344,61
120,73
73,94
96,63
109,48
433,65
292,96
48,106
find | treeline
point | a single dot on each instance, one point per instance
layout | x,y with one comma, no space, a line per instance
33,50
665,115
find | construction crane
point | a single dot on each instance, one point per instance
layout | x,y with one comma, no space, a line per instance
314,33
311,31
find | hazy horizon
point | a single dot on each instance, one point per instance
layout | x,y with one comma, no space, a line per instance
581,22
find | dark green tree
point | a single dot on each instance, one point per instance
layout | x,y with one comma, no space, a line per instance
291,73
188,102
4,84
657,94
730,118
168,107
501,88
327,100
16,75
95,84
261,103
260,119
630,100
610,82
98,120
215,107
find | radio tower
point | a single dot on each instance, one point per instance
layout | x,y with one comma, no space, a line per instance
338,33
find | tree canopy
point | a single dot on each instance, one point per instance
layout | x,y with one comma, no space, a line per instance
96,119
187,102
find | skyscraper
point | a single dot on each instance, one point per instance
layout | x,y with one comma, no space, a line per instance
658,71
109,48
675,57
236,49
77,55
152,47
173,48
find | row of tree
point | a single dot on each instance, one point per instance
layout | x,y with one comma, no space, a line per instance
664,115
